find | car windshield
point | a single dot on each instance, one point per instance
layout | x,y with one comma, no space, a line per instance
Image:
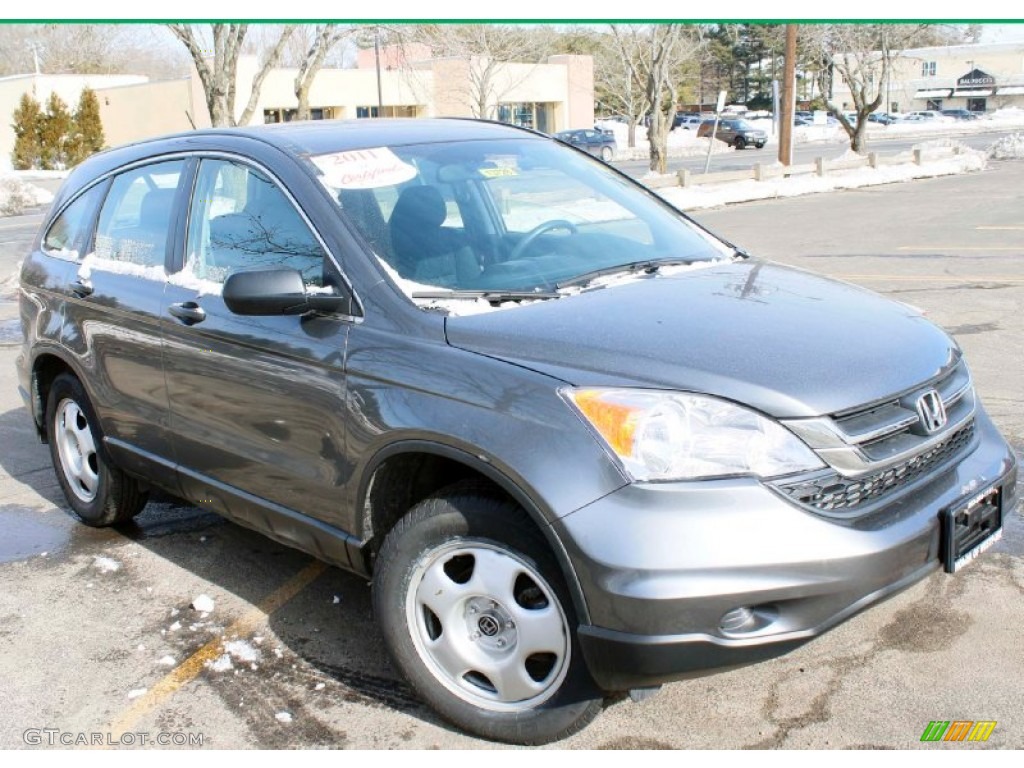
517,216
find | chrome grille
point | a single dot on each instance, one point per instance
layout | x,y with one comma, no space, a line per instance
834,493
887,434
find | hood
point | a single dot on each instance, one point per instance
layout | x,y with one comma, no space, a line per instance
781,340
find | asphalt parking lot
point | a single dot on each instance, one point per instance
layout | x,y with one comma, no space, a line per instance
97,635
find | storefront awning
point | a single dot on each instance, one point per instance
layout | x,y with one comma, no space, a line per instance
1011,90
972,94
940,93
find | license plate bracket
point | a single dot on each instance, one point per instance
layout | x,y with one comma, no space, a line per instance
969,528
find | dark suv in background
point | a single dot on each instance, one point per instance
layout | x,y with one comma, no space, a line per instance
579,444
735,131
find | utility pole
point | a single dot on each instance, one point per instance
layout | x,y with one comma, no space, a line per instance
788,98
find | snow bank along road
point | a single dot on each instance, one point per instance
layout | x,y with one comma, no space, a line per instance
105,631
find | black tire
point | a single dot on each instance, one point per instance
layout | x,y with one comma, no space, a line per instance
445,537
740,142
760,146
98,492
606,154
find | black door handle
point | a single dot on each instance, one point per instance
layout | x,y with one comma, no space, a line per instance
188,312
81,288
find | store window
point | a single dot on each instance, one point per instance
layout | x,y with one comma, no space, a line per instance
928,69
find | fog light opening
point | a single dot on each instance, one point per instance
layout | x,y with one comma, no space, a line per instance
737,620
746,619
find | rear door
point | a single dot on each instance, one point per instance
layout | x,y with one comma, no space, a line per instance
112,316
256,402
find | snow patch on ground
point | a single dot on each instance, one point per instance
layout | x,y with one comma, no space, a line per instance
203,604
241,651
1008,148
283,717
106,564
221,664
167,661
135,693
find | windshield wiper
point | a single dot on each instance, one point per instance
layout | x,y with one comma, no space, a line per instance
648,266
495,296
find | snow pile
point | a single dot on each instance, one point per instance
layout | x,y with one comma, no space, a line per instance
17,195
710,196
283,717
1008,147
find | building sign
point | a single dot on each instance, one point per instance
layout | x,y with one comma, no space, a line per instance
976,79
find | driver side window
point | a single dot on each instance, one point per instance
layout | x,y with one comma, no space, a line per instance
241,220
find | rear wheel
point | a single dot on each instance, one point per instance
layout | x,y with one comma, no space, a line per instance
98,492
475,613
606,154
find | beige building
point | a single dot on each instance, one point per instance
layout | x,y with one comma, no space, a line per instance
555,95
978,77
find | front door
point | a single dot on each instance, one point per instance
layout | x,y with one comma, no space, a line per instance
256,402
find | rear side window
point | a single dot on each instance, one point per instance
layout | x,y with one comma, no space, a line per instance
68,236
135,221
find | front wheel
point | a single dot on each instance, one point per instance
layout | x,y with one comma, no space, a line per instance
760,146
475,613
98,492
740,142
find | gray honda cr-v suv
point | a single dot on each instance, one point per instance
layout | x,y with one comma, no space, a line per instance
580,444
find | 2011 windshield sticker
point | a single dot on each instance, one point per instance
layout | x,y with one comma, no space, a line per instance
363,169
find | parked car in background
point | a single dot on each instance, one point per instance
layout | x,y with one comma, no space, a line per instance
927,116
960,114
690,122
577,444
597,142
883,118
735,131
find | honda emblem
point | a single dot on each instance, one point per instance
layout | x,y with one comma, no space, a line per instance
931,411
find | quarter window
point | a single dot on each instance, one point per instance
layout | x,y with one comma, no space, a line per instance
135,220
68,236
241,220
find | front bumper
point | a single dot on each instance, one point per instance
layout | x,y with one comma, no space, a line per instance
661,565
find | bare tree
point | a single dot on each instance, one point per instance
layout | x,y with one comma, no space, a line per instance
485,48
325,37
653,54
99,49
862,55
219,73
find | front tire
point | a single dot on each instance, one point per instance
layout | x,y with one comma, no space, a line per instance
475,613
98,492
740,142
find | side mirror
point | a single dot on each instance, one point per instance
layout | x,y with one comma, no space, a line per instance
279,292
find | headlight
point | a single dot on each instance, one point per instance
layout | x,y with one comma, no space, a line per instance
677,436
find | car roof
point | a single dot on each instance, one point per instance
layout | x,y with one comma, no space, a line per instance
299,138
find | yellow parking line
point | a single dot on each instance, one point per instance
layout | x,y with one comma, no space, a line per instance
960,248
190,668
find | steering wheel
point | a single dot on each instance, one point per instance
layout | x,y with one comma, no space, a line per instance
530,237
